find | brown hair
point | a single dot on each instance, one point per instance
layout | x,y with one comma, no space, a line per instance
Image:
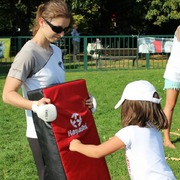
141,112
50,10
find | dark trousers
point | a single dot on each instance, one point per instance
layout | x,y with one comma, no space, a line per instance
38,158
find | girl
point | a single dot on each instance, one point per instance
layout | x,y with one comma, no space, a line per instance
172,85
142,120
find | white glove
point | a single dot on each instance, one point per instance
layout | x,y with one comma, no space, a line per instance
93,109
46,112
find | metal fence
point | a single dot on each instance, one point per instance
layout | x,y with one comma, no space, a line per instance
103,52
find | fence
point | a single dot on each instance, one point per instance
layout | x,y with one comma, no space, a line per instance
104,52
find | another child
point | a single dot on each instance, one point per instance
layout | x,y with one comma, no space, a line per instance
172,85
142,120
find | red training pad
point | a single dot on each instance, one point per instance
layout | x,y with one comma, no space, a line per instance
75,120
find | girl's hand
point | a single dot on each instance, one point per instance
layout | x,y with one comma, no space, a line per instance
74,144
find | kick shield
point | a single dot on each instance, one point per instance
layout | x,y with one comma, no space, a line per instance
74,121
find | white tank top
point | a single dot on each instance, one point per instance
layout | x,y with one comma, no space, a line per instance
172,71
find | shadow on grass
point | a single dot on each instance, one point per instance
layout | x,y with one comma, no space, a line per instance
76,65
176,141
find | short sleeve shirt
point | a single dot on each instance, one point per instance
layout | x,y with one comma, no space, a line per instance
37,68
145,154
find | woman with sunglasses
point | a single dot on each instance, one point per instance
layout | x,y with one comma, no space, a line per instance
38,65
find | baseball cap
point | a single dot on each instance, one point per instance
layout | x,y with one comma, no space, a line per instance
141,90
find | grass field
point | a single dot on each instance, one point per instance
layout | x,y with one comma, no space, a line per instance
16,161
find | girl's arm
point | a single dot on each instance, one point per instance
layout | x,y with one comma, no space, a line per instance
97,151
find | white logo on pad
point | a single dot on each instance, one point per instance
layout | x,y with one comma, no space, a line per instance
76,122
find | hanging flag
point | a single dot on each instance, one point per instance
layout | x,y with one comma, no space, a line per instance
5,47
154,45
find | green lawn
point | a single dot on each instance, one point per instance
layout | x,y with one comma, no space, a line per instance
16,161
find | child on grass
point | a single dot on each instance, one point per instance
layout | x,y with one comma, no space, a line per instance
142,120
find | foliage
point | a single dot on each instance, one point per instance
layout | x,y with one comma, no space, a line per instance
84,13
17,15
162,11
95,17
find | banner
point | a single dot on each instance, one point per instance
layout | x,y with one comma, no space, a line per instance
5,47
154,45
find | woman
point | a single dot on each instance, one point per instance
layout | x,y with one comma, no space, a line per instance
38,65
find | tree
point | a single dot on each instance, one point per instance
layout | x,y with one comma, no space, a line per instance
85,14
16,16
91,15
98,17
162,13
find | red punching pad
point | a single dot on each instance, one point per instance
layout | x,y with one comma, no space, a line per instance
74,120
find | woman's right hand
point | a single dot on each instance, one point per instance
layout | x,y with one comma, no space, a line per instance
43,101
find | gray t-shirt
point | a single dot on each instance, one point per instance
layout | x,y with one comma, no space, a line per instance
30,59
37,68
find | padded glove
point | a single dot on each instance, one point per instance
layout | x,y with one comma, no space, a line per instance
46,112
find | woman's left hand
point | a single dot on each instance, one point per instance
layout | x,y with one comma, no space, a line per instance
89,103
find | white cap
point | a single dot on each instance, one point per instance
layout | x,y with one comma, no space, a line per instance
138,90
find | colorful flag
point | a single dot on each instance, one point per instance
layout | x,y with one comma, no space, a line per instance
5,47
154,45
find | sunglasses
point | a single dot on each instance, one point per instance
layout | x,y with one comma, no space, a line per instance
57,29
